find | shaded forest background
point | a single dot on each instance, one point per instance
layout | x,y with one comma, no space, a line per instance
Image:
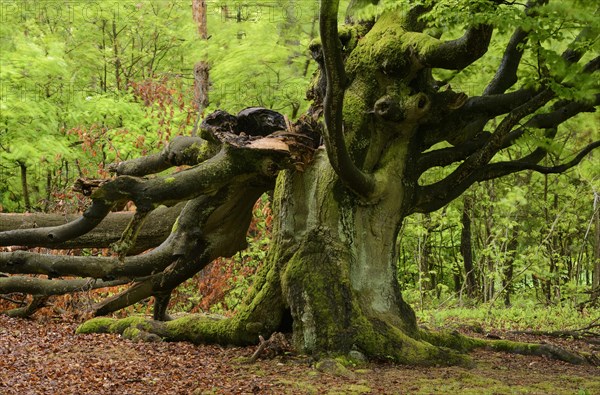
84,85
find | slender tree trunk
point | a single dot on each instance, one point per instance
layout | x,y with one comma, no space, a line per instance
104,78
466,248
116,53
201,68
489,268
24,186
507,280
596,253
48,190
426,276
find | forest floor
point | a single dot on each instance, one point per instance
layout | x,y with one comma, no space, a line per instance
44,356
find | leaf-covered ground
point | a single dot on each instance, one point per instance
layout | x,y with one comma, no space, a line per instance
44,356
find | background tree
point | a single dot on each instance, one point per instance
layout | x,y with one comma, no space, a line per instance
389,121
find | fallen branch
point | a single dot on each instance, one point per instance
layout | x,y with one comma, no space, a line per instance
37,303
276,345
17,302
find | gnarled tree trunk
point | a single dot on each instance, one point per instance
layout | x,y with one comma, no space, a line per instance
331,272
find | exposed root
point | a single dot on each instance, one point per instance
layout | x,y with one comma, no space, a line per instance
464,343
586,334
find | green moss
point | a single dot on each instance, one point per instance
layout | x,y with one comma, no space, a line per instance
96,325
175,225
381,48
384,341
452,340
356,100
170,180
350,34
351,389
132,333
514,347
421,43
333,367
201,329
119,326
316,286
299,385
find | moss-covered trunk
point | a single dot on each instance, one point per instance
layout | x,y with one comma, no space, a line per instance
340,281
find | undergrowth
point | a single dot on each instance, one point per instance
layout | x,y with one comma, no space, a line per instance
522,315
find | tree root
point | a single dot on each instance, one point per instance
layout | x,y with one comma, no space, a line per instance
463,343
436,348
585,334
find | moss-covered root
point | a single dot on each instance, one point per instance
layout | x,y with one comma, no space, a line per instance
197,328
462,343
385,341
133,328
546,350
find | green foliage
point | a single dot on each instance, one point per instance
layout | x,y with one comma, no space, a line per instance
259,56
85,85
524,314
540,226
67,76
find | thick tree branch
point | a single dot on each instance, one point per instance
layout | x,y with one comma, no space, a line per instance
433,196
160,283
40,286
335,143
213,223
466,123
205,235
500,169
231,164
490,106
460,53
156,229
182,150
23,262
447,156
197,235
58,234
506,75
588,35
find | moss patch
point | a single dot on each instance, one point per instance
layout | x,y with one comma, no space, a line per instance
119,326
334,367
96,325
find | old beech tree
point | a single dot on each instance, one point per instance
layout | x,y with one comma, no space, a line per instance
344,177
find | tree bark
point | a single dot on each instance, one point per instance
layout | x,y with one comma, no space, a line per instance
508,271
202,67
596,253
24,186
155,230
466,248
